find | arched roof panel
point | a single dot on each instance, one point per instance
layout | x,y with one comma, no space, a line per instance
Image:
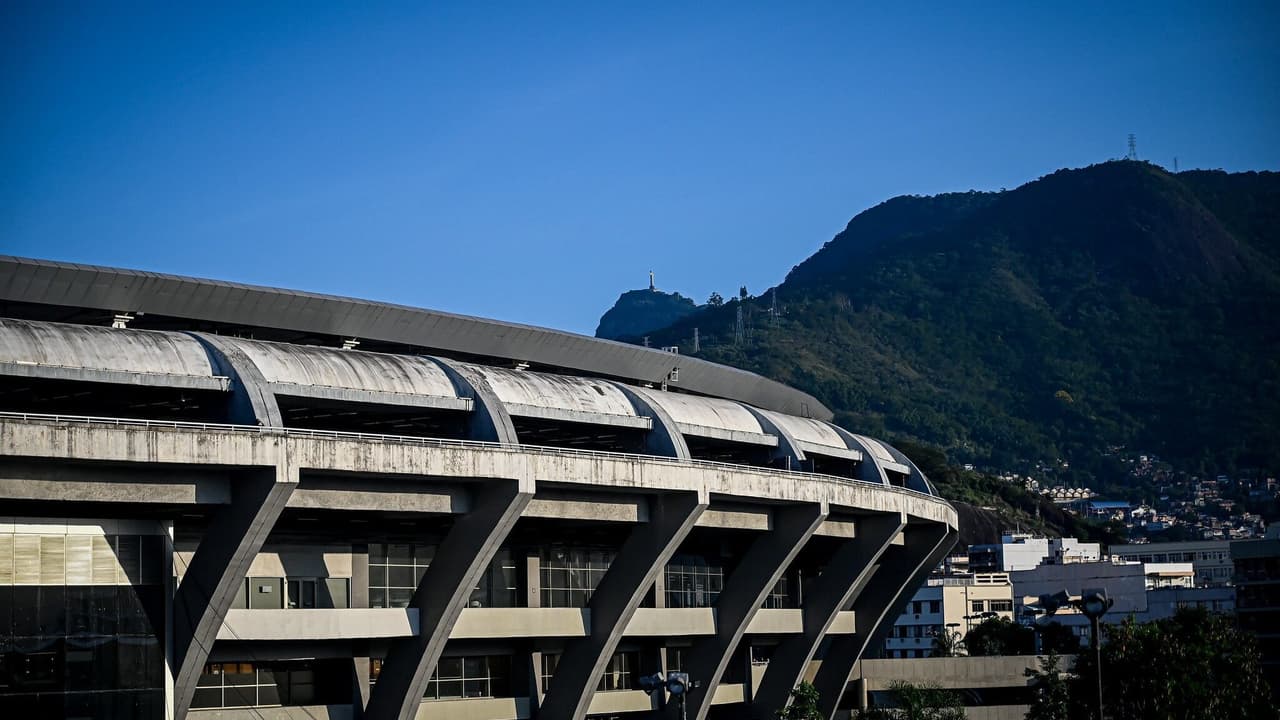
102,354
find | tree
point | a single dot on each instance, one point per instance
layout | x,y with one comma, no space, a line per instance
804,704
1195,665
1056,638
715,300
1050,693
947,644
916,702
1000,636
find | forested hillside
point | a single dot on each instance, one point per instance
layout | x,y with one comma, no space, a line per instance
1114,306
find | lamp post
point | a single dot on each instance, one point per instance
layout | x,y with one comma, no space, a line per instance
675,683
1094,606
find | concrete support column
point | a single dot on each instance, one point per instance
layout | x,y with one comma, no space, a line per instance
744,592
843,579
644,554
903,569
217,570
461,559
360,599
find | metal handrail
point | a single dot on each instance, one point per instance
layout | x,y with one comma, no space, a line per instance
434,442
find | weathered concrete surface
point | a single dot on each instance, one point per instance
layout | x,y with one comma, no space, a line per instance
216,446
319,624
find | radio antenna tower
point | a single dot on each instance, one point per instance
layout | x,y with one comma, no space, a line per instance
738,331
1133,147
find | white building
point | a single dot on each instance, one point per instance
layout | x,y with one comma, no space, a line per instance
1022,551
957,603
1210,558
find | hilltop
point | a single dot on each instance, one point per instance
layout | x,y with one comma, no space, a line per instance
1095,309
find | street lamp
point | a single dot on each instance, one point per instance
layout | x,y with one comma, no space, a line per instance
677,684
1094,606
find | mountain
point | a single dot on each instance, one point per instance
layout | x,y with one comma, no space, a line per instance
1107,307
636,312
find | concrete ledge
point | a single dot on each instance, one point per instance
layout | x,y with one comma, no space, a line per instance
776,622
843,624
671,622
730,693
319,624
479,623
474,709
299,712
381,455
619,701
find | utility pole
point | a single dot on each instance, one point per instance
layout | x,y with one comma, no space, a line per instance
697,341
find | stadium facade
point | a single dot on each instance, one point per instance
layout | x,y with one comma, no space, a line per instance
224,501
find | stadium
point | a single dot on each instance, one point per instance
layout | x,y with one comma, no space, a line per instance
226,501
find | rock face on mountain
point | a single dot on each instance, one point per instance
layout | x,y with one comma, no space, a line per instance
1111,306
638,311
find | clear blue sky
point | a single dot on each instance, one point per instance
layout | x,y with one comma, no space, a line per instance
529,161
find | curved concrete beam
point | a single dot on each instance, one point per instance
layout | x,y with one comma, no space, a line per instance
869,469
218,568
664,438
845,577
744,592
462,558
916,480
876,610
252,402
490,420
788,451
644,554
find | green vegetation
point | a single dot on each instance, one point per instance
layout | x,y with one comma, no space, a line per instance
916,702
1112,306
804,704
1194,666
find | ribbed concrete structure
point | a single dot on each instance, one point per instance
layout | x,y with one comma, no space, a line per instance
241,519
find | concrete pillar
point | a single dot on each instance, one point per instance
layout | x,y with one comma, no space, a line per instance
489,420
788,454
359,599
461,559
843,579
644,554
901,572
218,567
744,592
664,438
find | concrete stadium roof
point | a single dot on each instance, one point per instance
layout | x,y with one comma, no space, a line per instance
112,290
77,352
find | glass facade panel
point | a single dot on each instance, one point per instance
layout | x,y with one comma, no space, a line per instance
81,625
570,575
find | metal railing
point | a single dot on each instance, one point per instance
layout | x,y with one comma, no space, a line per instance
439,443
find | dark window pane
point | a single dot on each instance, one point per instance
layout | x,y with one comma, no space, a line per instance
52,612
270,694
450,688
475,688
26,604
246,696
402,577
377,576
103,610
399,598
207,698
377,598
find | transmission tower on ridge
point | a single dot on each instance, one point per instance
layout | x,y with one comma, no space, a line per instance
1133,147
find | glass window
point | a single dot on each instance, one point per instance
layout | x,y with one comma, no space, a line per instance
395,571
619,673
570,575
978,606
935,606
693,582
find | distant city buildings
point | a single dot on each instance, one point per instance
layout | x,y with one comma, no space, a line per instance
955,603
1022,551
